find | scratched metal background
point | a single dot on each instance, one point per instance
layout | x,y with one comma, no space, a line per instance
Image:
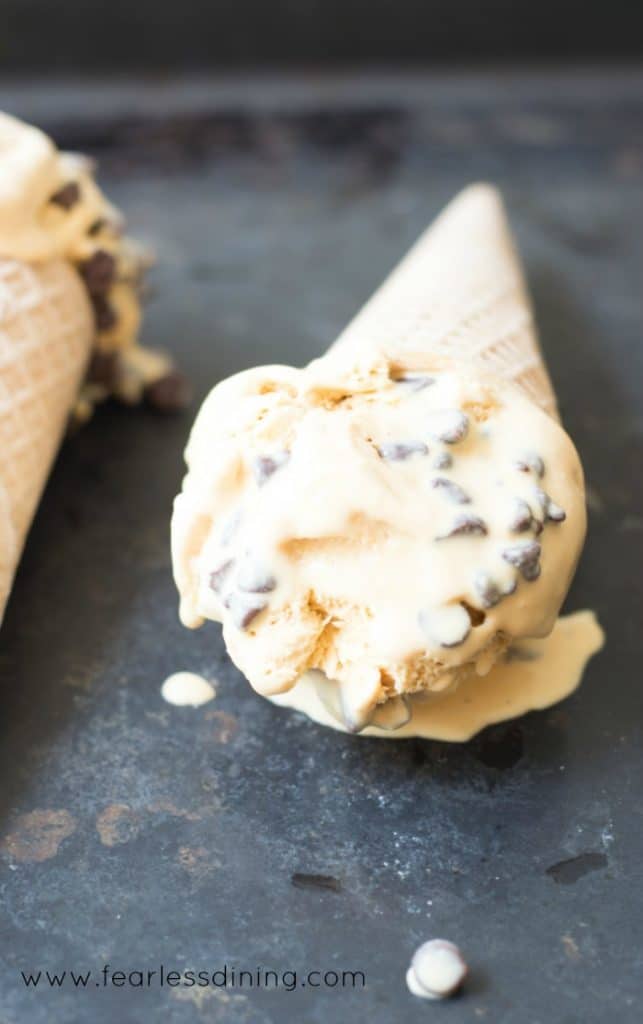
133,833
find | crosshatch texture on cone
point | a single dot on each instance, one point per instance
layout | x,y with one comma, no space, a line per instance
460,293
46,328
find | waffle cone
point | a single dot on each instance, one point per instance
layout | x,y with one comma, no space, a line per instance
460,293
46,327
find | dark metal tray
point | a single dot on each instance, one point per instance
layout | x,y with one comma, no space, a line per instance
137,834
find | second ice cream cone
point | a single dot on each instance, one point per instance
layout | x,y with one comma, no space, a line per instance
460,293
46,330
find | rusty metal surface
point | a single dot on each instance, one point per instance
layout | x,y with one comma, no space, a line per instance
135,834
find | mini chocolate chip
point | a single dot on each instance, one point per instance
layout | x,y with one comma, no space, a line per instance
449,426
522,553
263,466
555,514
254,579
531,462
98,272
551,511
466,526
487,589
103,369
219,576
243,609
531,571
452,490
169,393
399,451
67,196
414,381
521,519
524,556
104,313
443,461
96,226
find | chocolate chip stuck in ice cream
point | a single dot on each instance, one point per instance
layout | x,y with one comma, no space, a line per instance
67,196
448,425
399,451
364,565
264,466
452,490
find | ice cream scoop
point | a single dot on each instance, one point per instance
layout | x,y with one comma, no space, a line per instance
392,517
390,535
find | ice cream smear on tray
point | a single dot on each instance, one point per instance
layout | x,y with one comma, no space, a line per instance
52,209
187,689
380,528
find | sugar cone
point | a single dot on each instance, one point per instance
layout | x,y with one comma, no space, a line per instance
46,328
460,293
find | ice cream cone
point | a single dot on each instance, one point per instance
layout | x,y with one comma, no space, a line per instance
460,293
46,330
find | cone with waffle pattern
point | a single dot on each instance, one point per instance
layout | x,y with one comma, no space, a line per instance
46,332
459,293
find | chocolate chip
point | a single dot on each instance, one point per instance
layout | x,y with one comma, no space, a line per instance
552,512
437,969
555,513
443,461
399,451
103,369
449,426
219,576
531,571
243,609
254,579
521,518
414,381
104,313
466,526
169,393
263,466
487,589
531,462
98,272
452,490
524,556
67,196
